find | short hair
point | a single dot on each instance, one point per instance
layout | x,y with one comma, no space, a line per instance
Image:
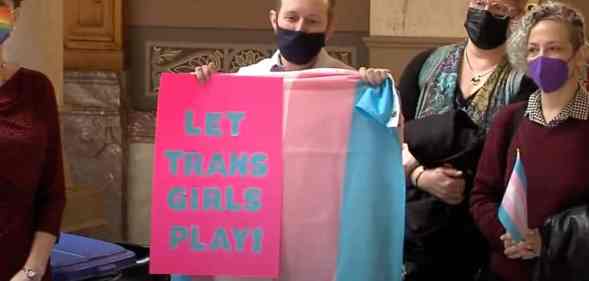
517,48
15,3
519,6
330,7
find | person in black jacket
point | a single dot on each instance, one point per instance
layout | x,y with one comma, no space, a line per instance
449,98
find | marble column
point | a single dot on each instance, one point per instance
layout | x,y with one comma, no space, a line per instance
417,18
400,29
95,145
141,132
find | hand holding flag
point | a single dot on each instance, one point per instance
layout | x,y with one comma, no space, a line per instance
513,211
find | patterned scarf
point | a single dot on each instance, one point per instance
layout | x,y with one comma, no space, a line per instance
438,80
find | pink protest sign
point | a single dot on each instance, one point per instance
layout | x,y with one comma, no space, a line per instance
217,181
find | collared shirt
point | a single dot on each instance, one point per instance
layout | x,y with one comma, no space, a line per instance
324,60
577,108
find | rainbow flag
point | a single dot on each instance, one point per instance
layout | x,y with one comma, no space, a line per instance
5,22
344,186
513,212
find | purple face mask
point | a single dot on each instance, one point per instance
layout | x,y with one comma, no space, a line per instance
550,74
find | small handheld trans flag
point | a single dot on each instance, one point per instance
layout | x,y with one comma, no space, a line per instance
513,212
5,22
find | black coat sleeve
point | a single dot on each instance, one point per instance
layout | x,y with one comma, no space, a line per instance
409,84
565,246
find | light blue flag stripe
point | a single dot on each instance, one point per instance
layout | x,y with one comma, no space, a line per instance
373,202
503,213
181,278
509,226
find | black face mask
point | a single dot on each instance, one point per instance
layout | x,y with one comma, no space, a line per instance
299,47
485,30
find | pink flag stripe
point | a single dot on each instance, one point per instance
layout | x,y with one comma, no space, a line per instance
516,192
517,187
314,149
516,213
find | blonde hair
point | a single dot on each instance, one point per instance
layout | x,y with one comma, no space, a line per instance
517,48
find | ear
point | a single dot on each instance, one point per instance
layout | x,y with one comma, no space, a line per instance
14,14
584,54
581,56
579,60
273,16
330,28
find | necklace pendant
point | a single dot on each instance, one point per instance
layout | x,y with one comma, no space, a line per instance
475,80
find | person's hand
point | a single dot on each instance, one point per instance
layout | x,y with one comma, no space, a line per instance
527,249
513,249
20,276
445,183
373,76
409,161
203,73
533,244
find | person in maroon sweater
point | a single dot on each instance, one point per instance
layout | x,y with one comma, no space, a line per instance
551,133
31,173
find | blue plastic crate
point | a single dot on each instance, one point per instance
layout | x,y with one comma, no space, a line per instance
77,258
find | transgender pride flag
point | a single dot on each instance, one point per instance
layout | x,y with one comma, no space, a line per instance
344,186
513,212
344,189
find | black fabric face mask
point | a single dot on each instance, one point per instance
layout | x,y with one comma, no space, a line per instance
299,47
485,30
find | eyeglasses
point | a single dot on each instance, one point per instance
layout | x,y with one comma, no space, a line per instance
498,10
